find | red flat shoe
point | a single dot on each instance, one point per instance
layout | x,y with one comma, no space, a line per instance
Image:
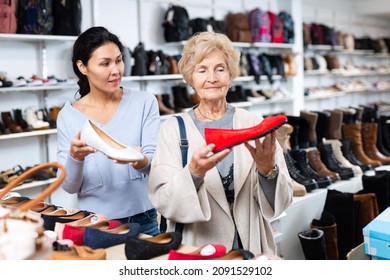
227,138
205,252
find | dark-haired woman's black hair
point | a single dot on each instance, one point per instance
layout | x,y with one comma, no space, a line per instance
85,45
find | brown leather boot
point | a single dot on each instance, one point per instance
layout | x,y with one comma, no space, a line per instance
10,123
368,210
334,125
353,131
369,138
315,161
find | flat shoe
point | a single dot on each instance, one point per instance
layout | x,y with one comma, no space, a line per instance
76,233
226,138
205,252
99,238
147,248
98,139
51,220
79,253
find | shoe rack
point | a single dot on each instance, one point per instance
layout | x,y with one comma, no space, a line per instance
11,98
368,80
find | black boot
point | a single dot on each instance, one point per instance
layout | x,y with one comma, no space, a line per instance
302,162
382,141
347,151
331,162
342,205
322,125
20,120
181,98
309,183
379,185
313,244
299,138
384,123
327,223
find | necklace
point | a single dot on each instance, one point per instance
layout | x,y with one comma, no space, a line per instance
200,112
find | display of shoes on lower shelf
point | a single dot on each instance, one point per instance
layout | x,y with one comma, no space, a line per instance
28,134
35,184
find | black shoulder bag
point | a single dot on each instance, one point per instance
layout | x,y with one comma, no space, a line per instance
184,150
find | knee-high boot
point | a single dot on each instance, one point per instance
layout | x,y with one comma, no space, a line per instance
368,210
343,207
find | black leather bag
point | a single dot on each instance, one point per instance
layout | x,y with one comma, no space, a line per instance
140,56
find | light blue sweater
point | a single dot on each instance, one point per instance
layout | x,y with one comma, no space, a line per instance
102,186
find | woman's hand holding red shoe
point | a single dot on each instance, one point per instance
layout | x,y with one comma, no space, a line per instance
263,153
203,159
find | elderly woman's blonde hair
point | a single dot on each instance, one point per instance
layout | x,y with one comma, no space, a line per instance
202,44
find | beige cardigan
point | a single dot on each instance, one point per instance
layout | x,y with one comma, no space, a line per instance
205,212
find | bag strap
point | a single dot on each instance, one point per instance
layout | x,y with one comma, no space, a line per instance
27,174
184,152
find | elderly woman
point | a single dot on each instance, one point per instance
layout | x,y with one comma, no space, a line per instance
230,196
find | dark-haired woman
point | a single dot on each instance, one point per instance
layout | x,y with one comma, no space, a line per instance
113,188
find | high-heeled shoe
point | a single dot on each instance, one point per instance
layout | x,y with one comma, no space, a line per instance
205,252
227,138
97,138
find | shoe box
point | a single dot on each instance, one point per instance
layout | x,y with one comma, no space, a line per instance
377,236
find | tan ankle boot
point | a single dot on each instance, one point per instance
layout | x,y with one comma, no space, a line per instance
298,189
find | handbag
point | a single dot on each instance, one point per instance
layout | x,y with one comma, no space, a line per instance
19,227
184,151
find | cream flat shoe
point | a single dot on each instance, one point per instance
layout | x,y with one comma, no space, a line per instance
98,139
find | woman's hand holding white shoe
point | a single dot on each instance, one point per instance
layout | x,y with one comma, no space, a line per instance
79,149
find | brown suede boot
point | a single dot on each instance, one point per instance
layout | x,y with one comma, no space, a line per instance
369,139
315,161
353,131
312,118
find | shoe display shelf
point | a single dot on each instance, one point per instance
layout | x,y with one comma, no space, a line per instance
335,87
252,103
18,148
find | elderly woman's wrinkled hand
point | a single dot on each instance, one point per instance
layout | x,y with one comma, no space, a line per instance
204,159
263,153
